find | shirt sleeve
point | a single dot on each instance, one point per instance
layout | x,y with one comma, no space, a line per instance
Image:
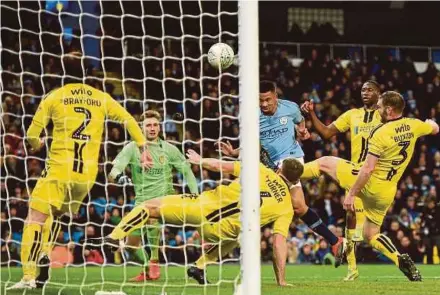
179,162
40,120
281,225
296,113
376,145
116,112
342,123
122,160
237,168
423,128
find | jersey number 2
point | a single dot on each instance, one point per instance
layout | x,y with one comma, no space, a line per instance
78,163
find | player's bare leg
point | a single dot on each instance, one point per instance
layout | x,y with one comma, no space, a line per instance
30,248
384,245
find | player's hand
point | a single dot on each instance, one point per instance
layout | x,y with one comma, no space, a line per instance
146,159
36,150
193,157
303,134
349,203
124,180
226,148
308,107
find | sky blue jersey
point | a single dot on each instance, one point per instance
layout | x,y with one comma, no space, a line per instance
277,132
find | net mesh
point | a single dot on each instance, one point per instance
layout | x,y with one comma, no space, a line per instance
147,55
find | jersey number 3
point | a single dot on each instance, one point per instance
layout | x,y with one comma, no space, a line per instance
78,163
404,154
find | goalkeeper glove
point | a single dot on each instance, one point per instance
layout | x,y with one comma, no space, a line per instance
123,180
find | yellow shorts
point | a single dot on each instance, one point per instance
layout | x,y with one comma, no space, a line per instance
215,218
376,197
65,196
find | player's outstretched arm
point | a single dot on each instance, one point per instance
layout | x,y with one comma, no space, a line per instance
120,162
116,112
227,149
210,163
324,131
279,258
434,125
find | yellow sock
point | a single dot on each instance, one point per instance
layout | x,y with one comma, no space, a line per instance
30,247
51,230
132,221
384,245
215,252
351,255
311,170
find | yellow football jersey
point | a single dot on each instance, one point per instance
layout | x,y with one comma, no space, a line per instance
360,122
393,143
275,201
78,113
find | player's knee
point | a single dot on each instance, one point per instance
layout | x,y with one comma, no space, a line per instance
300,209
326,163
153,207
370,230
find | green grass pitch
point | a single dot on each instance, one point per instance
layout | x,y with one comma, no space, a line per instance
306,279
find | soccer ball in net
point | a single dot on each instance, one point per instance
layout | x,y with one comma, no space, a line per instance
221,56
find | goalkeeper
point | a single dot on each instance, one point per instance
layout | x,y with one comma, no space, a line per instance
150,184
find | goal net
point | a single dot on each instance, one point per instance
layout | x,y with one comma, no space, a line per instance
148,55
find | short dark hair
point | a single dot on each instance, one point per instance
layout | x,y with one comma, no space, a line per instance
394,100
374,83
73,65
292,169
266,86
151,114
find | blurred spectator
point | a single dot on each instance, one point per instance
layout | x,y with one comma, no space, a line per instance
323,254
306,254
431,227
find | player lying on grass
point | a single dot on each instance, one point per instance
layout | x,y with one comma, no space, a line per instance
389,150
279,119
360,122
216,213
78,113
150,184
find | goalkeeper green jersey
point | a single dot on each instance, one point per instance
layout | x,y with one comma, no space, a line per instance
158,180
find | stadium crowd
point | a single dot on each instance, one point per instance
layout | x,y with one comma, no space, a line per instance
196,115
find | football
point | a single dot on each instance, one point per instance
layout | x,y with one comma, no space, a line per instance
221,56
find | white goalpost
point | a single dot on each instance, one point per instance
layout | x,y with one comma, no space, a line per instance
146,55
248,51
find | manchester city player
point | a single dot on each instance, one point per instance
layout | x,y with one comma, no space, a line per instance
278,120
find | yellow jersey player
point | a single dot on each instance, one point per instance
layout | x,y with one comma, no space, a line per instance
360,122
216,213
78,113
390,147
